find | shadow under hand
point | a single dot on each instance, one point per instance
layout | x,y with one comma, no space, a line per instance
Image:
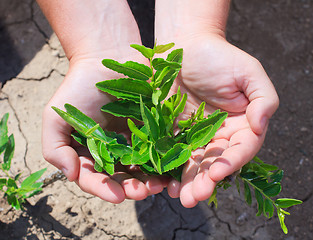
162,218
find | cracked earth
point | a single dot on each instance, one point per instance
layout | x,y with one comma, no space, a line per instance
32,66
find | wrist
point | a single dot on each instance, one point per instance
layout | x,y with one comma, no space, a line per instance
91,26
180,19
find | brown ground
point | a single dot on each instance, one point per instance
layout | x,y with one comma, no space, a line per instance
32,65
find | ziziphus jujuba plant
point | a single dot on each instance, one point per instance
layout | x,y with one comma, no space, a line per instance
162,143
16,195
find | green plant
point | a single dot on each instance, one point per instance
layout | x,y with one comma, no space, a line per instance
15,195
162,142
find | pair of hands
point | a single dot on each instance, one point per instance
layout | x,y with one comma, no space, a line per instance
213,71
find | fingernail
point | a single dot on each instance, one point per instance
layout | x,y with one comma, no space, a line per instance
264,121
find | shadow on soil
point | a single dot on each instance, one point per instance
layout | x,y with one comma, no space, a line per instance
38,216
162,217
23,32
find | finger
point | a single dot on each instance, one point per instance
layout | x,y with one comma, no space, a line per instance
56,142
154,184
203,185
189,173
98,184
173,188
133,188
243,146
263,99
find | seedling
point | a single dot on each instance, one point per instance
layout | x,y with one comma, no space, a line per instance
15,195
162,142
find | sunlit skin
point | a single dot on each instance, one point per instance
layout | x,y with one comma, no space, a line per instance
213,71
225,78
89,33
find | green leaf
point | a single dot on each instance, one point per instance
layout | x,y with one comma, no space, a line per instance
175,56
277,176
161,121
272,190
98,168
259,170
268,208
118,150
8,153
108,162
149,169
11,183
149,121
123,108
249,175
80,122
212,198
145,51
143,148
160,64
248,196
126,159
176,97
160,75
258,160
185,123
139,159
269,167
281,217
165,88
163,48
180,108
260,183
175,157
155,159
133,128
93,149
131,69
216,119
79,138
155,97
164,144
14,202
3,182
259,199
287,202
118,137
126,88
201,138
100,154
4,132
200,112
31,179
17,176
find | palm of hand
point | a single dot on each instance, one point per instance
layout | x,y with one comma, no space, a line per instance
218,73
79,90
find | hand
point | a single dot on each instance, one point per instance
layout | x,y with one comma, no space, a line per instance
90,31
78,89
229,79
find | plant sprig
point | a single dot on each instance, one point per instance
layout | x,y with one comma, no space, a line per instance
163,142
15,195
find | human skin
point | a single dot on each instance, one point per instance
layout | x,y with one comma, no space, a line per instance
226,78
90,31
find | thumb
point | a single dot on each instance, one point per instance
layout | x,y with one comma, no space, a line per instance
263,99
56,149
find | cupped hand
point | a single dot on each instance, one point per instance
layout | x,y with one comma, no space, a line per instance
78,89
229,79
